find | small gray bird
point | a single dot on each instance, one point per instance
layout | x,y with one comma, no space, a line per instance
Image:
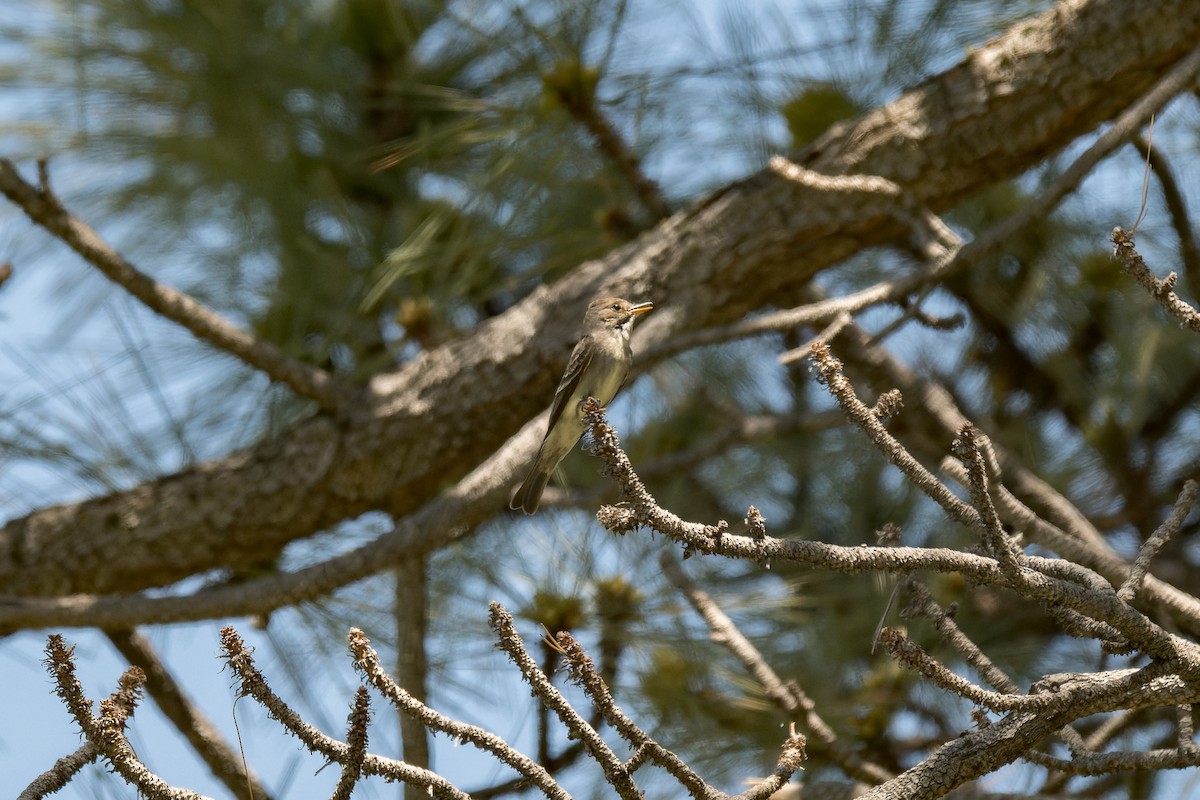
599,365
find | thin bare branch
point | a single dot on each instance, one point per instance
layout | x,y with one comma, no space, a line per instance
617,774
252,684
1189,248
995,540
1163,290
787,696
922,604
1141,565
830,374
206,741
367,660
59,775
107,731
44,208
1102,763
356,737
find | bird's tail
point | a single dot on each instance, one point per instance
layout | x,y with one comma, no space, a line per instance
530,494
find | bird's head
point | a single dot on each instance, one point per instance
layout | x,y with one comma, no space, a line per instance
613,312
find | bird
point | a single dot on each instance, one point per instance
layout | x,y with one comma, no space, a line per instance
598,367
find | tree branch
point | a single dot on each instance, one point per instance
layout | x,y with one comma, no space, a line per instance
754,244
43,207
788,697
224,762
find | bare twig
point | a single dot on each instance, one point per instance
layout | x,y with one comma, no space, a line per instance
617,774
224,762
1102,763
106,731
1141,565
1115,689
1161,290
44,208
922,604
584,672
827,334
59,775
1189,249
356,737
929,234
788,697
995,540
252,684
367,660
830,373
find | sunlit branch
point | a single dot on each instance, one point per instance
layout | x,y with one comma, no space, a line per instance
224,762
251,683
366,659
1163,291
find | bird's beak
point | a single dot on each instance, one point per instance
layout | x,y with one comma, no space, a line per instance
641,308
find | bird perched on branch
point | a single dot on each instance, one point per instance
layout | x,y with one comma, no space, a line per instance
599,365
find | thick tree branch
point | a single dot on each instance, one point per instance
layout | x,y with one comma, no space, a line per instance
751,245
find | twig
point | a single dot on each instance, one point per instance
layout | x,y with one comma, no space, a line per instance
224,762
922,604
1163,291
59,775
930,235
106,731
584,672
1116,686
366,659
827,334
44,208
617,774
788,697
252,684
1141,565
995,540
1189,250
1102,763
830,373
356,737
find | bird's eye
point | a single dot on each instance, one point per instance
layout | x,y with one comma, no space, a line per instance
616,306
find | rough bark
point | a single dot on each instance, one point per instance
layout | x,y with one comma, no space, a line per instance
1009,105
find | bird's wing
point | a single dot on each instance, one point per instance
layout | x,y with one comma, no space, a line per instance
581,356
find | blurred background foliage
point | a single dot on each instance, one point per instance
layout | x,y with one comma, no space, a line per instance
361,180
